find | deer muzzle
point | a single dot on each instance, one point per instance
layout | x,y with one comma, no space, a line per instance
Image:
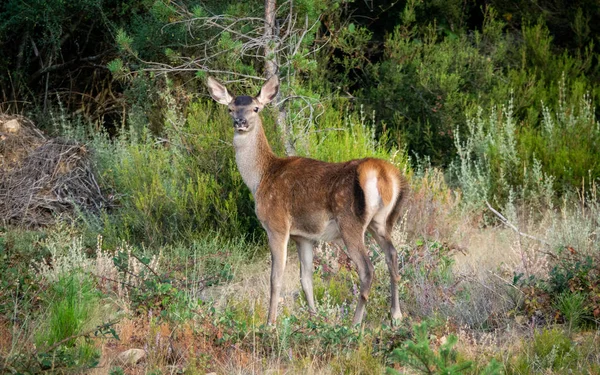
240,124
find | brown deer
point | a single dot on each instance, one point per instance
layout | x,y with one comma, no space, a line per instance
309,200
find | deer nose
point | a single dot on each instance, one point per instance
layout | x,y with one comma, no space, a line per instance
238,121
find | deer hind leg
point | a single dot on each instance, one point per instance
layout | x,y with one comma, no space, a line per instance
384,241
354,238
305,254
278,244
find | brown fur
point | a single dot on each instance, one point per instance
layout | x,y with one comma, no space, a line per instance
308,200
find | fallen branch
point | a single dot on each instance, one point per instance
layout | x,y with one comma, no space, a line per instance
523,234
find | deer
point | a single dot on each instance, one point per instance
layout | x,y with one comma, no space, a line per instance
308,200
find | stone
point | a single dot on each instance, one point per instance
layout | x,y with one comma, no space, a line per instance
130,357
12,126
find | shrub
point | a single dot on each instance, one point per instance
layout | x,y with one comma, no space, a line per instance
551,349
497,161
179,187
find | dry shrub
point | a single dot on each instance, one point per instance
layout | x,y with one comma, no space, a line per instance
40,178
433,209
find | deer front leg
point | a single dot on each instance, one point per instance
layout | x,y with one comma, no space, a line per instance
278,244
305,254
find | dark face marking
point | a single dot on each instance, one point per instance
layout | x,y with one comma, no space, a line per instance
243,110
243,100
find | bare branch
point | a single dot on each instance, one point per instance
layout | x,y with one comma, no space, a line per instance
513,227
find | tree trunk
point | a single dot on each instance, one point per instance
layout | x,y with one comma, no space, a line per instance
270,63
271,68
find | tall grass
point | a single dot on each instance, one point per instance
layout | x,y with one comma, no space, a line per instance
72,302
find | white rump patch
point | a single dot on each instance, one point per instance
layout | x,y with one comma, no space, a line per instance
381,214
372,197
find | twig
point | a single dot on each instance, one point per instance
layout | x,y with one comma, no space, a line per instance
506,282
513,227
84,334
145,265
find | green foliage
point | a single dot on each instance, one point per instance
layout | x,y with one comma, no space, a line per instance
334,289
55,51
170,285
420,357
551,349
573,307
343,134
427,83
178,187
71,302
18,248
569,292
498,161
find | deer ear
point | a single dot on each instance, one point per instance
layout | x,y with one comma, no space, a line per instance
269,90
218,91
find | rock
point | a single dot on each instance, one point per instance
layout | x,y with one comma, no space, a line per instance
521,319
11,126
130,357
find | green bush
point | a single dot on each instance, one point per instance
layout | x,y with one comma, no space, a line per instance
500,162
419,357
428,86
179,186
551,349
73,303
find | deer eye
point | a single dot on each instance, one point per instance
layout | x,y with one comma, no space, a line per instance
230,110
255,109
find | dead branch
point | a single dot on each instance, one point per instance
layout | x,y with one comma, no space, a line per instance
42,179
522,234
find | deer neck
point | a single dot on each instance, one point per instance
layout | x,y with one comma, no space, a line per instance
253,155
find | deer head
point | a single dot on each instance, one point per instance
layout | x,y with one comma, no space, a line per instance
244,109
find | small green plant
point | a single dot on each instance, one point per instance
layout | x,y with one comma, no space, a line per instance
420,357
63,343
573,308
72,301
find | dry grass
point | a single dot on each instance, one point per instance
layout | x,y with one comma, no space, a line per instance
252,285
